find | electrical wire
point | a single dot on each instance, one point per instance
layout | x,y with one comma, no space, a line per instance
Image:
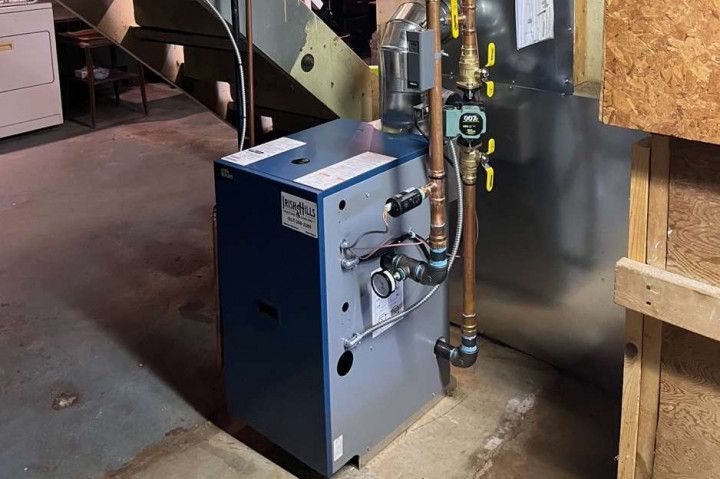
386,246
211,8
357,337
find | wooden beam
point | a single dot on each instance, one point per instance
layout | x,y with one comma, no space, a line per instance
652,328
580,44
676,299
637,245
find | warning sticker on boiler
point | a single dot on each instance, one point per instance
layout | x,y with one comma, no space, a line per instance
384,308
257,153
340,172
299,214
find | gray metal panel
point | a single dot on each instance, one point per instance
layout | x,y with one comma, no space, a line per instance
547,65
552,230
397,373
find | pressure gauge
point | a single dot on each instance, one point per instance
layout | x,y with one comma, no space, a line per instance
383,283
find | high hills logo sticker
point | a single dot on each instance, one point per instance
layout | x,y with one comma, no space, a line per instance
299,214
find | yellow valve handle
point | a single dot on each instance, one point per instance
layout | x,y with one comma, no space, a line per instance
491,146
490,85
454,18
490,181
491,55
375,70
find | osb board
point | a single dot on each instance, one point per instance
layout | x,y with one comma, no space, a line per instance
688,433
662,67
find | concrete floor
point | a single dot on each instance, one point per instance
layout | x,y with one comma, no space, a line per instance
107,342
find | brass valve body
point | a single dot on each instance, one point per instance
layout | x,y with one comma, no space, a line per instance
470,159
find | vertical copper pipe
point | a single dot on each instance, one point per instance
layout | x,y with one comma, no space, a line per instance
469,82
469,39
250,70
436,167
469,58
469,312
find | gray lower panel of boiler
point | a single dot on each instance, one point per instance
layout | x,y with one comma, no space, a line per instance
395,374
552,230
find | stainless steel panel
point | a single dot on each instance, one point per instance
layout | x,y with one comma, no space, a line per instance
552,231
546,66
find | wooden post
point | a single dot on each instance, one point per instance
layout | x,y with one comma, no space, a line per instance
637,245
647,243
652,328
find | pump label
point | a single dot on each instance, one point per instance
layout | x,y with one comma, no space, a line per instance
299,214
384,308
338,448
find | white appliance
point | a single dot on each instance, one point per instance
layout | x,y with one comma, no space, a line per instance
29,77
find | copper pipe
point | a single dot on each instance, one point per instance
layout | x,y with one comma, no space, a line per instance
469,311
469,81
436,167
469,25
469,71
250,70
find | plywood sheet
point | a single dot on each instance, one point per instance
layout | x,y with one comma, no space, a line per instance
688,437
694,218
688,432
662,67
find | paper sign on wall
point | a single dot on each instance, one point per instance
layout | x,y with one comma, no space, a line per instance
534,21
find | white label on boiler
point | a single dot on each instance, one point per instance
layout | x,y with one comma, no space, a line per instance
299,214
384,308
345,170
257,153
338,448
